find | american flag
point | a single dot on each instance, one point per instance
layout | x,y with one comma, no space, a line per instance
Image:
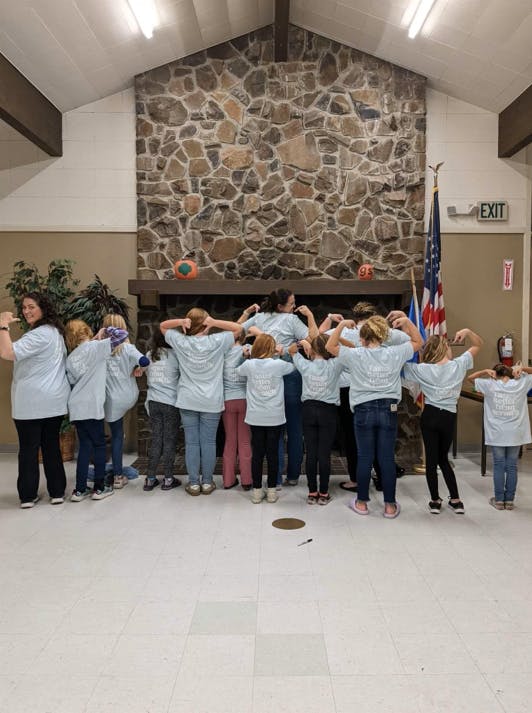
432,309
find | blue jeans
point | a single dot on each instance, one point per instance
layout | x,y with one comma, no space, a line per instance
376,430
505,464
91,437
200,444
117,445
294,427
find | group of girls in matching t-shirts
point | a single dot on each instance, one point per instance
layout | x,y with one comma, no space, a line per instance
293,378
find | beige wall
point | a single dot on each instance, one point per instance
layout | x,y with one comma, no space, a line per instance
113,256
474,298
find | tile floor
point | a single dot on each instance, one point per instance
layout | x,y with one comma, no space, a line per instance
163,603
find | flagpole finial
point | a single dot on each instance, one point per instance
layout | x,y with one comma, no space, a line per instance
435,169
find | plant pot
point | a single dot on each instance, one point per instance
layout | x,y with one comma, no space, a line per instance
67,444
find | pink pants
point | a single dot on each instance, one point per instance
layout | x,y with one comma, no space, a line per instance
237,440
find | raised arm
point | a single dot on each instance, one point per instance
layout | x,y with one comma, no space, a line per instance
246,314
333,343
224,325
328,322
6,345
476,341
184,323
312,326
409,328
481,373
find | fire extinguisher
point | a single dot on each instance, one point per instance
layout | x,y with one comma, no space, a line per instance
506,349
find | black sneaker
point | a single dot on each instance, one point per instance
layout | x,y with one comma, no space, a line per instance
435,507
150,484
170,483
457,507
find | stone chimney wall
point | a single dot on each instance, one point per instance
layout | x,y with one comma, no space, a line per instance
258,169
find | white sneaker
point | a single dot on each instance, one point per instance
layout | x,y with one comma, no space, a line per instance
271,495
257,495
29,504
102,494
120,481
207,488
57,501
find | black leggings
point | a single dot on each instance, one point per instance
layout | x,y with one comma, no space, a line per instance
437,428
265,442
319,430
348,440
164,422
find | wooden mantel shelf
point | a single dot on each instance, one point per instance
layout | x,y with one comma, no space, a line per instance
263,287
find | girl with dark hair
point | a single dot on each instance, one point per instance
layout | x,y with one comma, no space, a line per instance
320,396
506,424
39,395
163,375
374,392
265,411
440,378
276,317
200,396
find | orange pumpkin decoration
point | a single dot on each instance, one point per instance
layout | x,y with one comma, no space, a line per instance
365,272
185,270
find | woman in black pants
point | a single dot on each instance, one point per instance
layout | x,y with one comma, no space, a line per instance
440,378
39,396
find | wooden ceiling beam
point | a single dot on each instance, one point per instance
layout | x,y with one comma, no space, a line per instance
280,33
515,125
27,110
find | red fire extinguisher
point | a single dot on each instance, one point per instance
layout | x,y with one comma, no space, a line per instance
506,349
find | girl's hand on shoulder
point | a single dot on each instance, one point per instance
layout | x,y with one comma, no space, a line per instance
491,373
395,314
279,349
251,309
292,349
348,323
246,351
335,317
101,334
304,310
460,336
401,321
137,371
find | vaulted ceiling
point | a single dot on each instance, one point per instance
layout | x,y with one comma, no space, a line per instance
77,51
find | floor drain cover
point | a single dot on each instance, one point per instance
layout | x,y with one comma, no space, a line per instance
288,523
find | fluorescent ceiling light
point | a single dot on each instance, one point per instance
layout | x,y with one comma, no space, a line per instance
146,15
421,14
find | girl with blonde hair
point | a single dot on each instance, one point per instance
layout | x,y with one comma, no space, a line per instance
440,378
87,372
265,411
124,365
200,396
374,392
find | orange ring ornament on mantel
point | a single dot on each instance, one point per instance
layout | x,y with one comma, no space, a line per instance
186,270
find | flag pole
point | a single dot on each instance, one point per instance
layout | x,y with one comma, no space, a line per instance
419,468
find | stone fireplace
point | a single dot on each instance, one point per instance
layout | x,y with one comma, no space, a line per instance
291,173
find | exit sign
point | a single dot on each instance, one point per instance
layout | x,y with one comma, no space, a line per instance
492,210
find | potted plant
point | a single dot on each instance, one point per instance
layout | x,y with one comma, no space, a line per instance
94,302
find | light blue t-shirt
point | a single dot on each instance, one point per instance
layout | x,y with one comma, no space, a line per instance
40,387
320,379
440,383
201,360
121,388
506,420
396,336
265,390
374,373
234,384
162,376
285,327
87,373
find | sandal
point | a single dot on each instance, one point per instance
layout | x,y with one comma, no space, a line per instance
349,485
312,498
150,484
324,499
354,508
392,515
